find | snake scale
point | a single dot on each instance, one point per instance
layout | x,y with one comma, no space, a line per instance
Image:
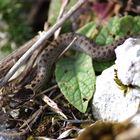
83,44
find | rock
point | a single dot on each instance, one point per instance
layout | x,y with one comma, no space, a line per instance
128,62
110,102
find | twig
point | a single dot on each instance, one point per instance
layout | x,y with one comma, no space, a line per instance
37,113
9,61
43,38
61,13
53,106
72,42
47,90
23,77
34,117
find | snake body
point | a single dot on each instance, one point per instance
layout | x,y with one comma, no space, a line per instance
83,44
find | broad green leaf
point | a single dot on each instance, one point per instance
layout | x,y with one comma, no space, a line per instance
136,28
88,30
100,66
116,28
76,80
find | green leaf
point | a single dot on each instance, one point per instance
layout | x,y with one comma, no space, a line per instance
76,79
88,29
116,28
136,27
100,66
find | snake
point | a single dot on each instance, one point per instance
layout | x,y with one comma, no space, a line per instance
50,54
81,43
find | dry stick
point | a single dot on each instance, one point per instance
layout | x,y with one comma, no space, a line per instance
18,52
14,135
39,111
9,61
72,42
29,65
43,38
47,90
61,13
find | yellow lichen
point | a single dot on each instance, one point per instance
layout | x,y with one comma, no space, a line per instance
121,86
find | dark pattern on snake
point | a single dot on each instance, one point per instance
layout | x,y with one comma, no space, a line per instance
82,44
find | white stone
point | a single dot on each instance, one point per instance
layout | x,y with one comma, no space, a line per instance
128,62
109,101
